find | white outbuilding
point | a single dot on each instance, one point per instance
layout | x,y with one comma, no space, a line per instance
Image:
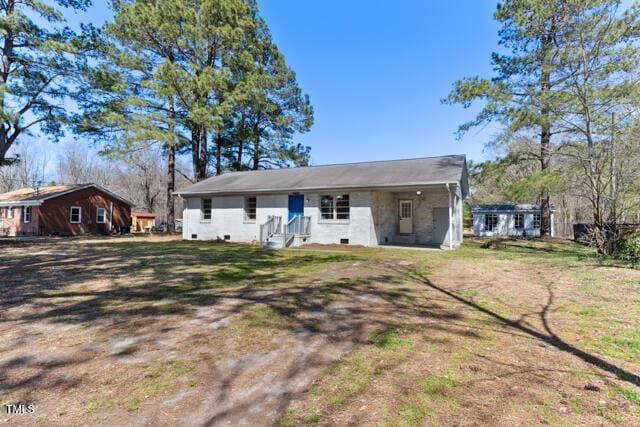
508,219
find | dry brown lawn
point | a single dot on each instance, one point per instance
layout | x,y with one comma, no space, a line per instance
156,331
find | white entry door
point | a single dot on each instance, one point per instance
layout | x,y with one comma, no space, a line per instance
406,216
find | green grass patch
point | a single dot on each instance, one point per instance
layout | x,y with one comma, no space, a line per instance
585,310
157,380
625,346
389,338
411,415
631,395
441,384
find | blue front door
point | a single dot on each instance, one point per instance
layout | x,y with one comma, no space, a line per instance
296,206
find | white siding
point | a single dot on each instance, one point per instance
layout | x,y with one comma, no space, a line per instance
373,217
506,225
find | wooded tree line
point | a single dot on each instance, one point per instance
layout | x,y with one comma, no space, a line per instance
200,77
566,94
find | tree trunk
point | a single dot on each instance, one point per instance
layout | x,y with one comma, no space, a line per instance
256,153
240,154
202,170
545,134
171,170
195,150
219,142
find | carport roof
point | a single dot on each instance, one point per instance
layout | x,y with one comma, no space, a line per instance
378,174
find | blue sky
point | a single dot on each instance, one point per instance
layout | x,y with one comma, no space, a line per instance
377,70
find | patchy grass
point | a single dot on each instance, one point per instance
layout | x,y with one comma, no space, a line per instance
625,346
145,330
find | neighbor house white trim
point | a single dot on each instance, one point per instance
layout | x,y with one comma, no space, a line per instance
79,221
104,216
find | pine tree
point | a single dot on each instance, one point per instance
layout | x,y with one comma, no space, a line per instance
39,58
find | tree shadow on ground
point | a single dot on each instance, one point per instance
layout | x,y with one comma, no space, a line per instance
547,335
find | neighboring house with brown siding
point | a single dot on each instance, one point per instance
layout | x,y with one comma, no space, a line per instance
64,210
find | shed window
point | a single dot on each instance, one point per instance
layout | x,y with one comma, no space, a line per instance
536,220
206,210
519,221
490,222
76,215
26,214
101,214
335,207
250,209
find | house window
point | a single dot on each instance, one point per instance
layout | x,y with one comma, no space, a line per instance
326,207
342,206
490,222
100,215
26,214
536,220
76,215
519,221
10,212
335,207
250,209
206,210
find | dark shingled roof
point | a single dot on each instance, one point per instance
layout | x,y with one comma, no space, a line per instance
388,173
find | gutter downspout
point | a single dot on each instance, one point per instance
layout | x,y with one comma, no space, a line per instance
110,217
450,219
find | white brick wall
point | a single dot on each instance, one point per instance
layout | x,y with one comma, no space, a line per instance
373,217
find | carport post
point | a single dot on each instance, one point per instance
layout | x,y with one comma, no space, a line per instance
450,219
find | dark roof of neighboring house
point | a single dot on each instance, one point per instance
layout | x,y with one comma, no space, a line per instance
143,214
378,174
507,207
33,196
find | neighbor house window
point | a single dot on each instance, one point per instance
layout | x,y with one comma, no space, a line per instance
490,222
26,214
519,221
206,209
100,215
536,220
76,215
10,212
335,207
250,209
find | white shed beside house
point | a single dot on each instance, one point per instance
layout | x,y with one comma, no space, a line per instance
415,201
508,219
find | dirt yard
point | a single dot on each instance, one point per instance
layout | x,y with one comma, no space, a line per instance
156,331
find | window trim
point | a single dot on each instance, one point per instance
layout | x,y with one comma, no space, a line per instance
202,211
245,217
71,221
537,224
10,212
494,224
26,209
104,216
334,209
515,221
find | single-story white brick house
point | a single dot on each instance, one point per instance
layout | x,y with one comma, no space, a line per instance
508,219
414,201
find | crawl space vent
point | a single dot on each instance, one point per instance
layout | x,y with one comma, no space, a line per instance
344,241
227,237
194,236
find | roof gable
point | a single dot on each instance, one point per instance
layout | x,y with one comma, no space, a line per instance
31,196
